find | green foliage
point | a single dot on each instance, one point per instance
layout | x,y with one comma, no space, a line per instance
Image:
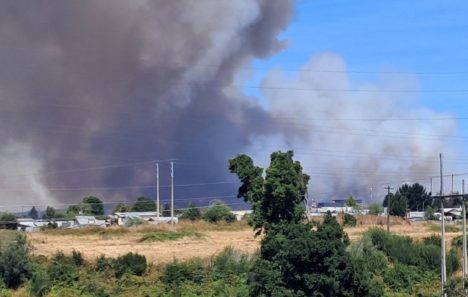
62,269
398,204
434,239
93,205
162,235
415,195
144,204
130,263
230,262
349,220
375,209
15,262
179,272
401,249
219,212
77,258
8,221
276,198
121,207
50,212
192,213
403,278
429,214
103,263
351,202
32,213
40,283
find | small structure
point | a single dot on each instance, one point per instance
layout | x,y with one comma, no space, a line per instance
240,214
148,216
88,221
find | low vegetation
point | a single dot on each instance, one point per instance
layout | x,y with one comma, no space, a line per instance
165,235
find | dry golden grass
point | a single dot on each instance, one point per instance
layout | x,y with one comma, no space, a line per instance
214,238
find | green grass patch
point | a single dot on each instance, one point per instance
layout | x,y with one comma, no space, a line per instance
449,228
161,235
102,232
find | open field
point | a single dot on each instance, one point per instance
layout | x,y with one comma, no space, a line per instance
164,243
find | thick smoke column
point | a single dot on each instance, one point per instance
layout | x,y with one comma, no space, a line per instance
87,83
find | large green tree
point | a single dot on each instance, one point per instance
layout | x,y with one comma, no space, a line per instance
398,204
144,204
296,258
93,205
416,196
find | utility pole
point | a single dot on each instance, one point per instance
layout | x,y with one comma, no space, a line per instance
432,193
388,206
172,192
157,190
371,198
464,236
452,183
442,240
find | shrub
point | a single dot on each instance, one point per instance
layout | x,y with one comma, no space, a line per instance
434,239
8,221
15,264
103,263
78,259
130,263
62,269
229,262
40,283
403,278
349,220
375,209
192,213
219,212
179,272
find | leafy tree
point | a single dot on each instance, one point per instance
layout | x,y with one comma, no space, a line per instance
15,262
192,213
74,210
50,212
296,259
144,204
93,206
375,209
33,213
219,212
351,202
349,220
398,204
122,207
415,195
8,221
429,214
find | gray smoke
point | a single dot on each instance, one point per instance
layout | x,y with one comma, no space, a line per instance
353,141
89,83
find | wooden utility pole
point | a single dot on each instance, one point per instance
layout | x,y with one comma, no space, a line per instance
388,206
464,236
442,239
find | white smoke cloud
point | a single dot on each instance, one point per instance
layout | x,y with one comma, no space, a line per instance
346,156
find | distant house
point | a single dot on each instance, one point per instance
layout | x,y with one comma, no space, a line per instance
335,206
149,216
240,214
88,221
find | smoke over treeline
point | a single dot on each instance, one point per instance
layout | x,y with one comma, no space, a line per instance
89,83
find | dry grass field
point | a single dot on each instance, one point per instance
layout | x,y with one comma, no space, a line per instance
186,240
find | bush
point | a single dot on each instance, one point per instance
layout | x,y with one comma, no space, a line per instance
229,262
40,284
78,259
179,272
349,220
62,269
403,278
103,263
8,221
192,213
15,263
375,209
434,239
219,212
130,263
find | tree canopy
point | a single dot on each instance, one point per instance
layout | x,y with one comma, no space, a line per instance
296,258
144,204
93,206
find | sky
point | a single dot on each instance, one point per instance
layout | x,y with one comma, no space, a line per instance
420,41
365,92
